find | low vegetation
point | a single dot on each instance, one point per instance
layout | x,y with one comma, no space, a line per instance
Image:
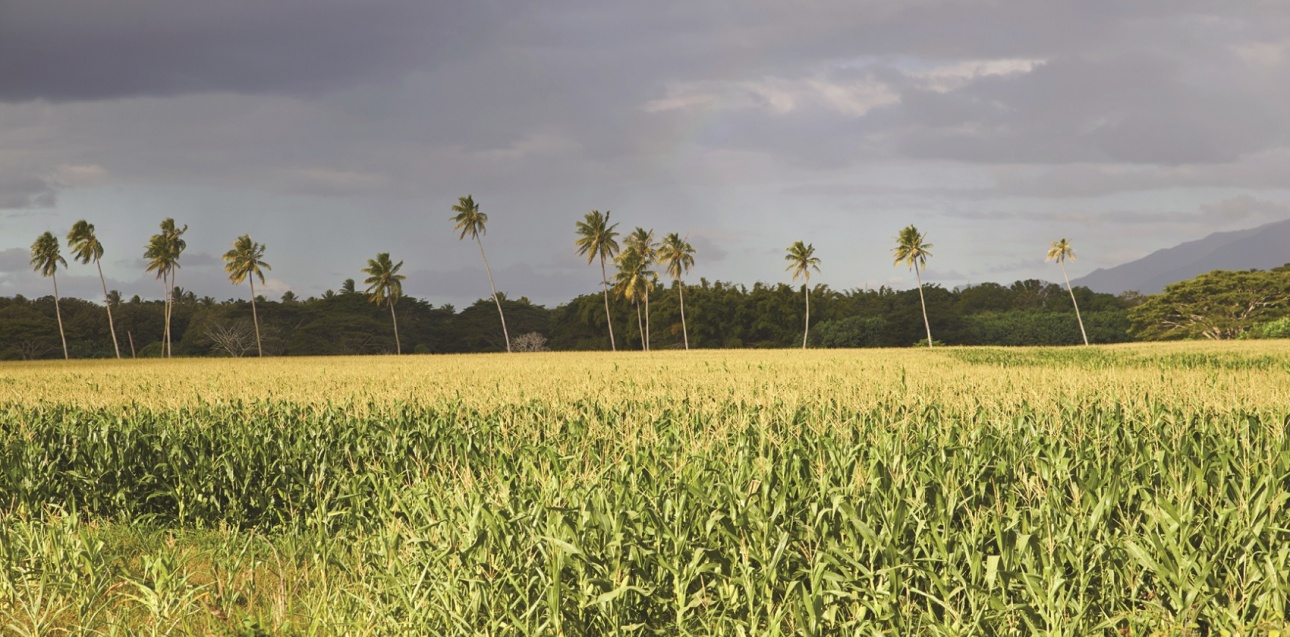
1138,489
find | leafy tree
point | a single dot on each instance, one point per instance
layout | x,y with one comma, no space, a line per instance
801,260
1217,305
851,332
45,259
913,250
1060,251
597,239
86,247
678,255
385,285
246,262
470,221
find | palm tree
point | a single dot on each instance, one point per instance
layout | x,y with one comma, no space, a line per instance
912,250
385,284
45,259
246,260
597,239
678,254
1060,251
801,260
86,247
163,253
470,221
641,241
634,281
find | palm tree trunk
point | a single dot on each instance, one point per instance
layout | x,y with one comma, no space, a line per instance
684,332
647,339
496,300
165,304
255,318
604,284
170,350
806,329
59,313
108,303
1074,302
923,302
398,348
640,327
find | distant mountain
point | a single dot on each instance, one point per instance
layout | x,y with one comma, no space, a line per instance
1262,248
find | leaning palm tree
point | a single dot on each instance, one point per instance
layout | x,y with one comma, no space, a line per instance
385,285
86,247
641,241
801,260
633,281
912,250
678,254
45,260
597,239
1060,251
246,261
470,221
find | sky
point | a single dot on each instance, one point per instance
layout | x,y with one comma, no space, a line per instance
331,130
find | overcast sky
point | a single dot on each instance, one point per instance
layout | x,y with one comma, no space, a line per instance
331,130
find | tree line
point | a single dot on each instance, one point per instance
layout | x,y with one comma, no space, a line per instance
1026,313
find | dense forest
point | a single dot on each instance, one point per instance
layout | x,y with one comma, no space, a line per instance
719,315
1247,304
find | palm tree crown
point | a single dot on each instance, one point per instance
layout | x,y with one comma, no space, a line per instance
46,256
245,259
911,248
84,244
801,260
1060,251
677,254
597,238
470,221
384,283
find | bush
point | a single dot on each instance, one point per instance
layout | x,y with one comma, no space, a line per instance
857,331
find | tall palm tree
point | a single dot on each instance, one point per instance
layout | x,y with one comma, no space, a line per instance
86,247
163,252
1060,251
45,260
633,281
246,261
801,260
913,250
470,221
641,241
678,254
385,285
597,239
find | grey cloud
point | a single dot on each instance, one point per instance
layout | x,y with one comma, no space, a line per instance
14,260
26,192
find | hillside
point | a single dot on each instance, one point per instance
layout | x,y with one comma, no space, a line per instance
1264,247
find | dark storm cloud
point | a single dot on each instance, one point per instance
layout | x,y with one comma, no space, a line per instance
85,49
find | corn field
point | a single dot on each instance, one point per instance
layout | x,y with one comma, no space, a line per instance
1128,490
